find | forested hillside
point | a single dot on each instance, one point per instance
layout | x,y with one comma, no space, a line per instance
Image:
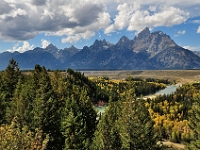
55,110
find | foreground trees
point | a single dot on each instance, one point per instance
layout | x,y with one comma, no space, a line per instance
107,135
17,138
43,107
78,121
136,124
126,125
55,110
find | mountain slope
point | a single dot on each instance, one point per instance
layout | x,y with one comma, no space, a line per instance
146,51
152,43
176,58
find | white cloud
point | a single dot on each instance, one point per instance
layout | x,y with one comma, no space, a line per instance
198,30
153,8
77,37
180,33
44,43
134,17
25,19
61,17
25,47
109,29
196,21
192,48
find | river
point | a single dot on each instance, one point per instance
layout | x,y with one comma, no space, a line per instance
168,90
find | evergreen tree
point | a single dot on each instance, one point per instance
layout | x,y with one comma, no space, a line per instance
2,101
136,125
11,76
45,108
78,120
107,135
194,124
9,79
89,115
73,128
19,106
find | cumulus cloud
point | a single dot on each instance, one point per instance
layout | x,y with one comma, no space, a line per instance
180,33
4,7
26,46
77,37
25,19
44,43
196,21
38,2
198,30
138,18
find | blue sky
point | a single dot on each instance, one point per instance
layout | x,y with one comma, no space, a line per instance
26,24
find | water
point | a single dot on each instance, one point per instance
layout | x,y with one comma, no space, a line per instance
168,90
100,109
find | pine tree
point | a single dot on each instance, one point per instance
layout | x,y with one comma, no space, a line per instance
45,108
73,127
89,115
78,120
9,79
194,124
107,135
19,106
2,101
11,76
136,124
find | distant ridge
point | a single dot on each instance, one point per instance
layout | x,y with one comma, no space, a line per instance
147,51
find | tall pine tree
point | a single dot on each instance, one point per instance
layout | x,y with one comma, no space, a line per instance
78,120
9,80
136,125
45,108
107,135
194,124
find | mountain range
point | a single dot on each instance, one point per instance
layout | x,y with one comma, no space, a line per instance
147,51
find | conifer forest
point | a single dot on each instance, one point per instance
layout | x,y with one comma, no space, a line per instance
56,110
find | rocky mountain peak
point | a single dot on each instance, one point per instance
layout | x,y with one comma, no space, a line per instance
100,45
51,47
72,46
123,41
71,50
53,50
152,43
145,32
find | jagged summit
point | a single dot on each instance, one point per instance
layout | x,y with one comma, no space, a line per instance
145,32
123,39
152,43
51,46
99,45
71,48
